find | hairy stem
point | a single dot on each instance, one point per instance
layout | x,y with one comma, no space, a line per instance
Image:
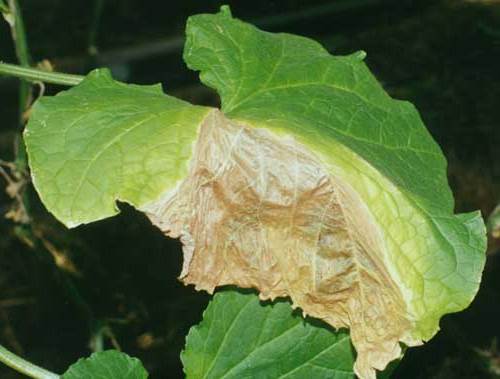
23,366
35,75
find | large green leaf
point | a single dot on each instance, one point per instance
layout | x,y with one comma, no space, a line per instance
110,364
311,183
241,338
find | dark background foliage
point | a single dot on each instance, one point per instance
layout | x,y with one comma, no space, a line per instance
114,282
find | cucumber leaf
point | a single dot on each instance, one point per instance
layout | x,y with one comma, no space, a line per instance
241,338
311,183
109,364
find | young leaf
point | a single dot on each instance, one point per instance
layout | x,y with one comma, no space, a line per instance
240,338
312,183
110,364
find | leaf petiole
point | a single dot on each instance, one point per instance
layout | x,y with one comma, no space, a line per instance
23,366
35,75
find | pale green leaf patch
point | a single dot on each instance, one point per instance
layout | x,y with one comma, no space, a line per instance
104,141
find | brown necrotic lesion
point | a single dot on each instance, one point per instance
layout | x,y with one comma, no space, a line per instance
261,211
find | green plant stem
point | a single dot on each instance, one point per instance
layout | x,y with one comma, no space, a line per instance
35,75
19,34
14,17
23,366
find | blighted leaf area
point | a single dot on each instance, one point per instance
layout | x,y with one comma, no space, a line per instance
258,211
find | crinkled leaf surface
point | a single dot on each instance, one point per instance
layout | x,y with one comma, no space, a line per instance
260,211
110,364
311,183
241,338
